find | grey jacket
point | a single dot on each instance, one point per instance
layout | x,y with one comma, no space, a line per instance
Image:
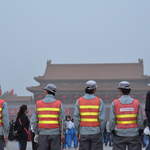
89,130
34,120
125,99
4,130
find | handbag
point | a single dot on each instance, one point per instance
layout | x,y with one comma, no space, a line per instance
27,131
147,131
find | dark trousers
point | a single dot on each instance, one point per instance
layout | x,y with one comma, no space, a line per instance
148,147
49,142
91,142
2,143
22,144
129,143
34,145
108,139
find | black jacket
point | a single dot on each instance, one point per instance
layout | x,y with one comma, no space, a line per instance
147,107
21,123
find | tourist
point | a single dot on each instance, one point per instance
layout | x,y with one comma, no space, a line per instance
145,139
4,124
22,127
126,120
34,144
47,122
108,139
89,117
70,134
104,135
11,135
147,111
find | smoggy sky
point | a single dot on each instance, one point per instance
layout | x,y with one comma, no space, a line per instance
69,31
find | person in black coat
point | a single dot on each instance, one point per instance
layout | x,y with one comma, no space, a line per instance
11,135
147,111
22,127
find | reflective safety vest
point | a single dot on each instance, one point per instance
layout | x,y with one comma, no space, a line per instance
126,114
89,112
1,107
48,114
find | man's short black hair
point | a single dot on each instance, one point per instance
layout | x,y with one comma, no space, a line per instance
50,93
89,91
68,117
125,91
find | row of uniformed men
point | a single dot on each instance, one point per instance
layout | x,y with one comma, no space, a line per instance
126,121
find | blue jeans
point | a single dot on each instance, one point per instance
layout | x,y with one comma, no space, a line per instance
22,144
148,146
108,139
71,137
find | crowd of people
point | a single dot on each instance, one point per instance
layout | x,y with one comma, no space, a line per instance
86,129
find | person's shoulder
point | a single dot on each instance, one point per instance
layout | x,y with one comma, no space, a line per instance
3,102
79,99
116,100
39,101
99,99
148,93
136,101
23,117
58,101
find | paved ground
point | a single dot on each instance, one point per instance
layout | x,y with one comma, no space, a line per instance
14,146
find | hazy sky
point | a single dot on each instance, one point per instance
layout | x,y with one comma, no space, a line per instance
69,31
